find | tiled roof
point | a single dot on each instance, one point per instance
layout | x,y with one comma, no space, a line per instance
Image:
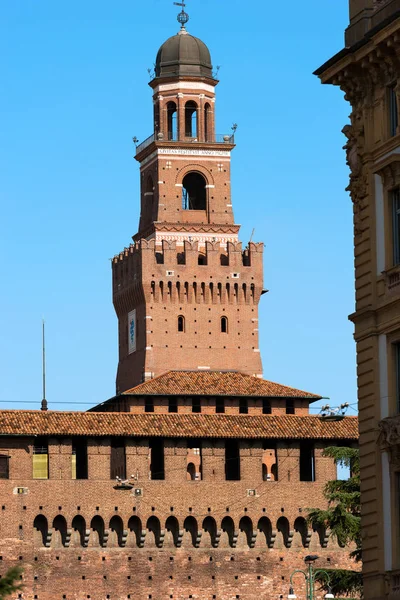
215,383
30,422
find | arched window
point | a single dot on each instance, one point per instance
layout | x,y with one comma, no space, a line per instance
172,121
191,119
191,471
207,123
194,195
224,324
181,324
41,526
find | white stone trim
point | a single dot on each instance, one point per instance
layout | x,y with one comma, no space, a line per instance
193,152
204,368
387,512
380,225
383,376
179,237
184,85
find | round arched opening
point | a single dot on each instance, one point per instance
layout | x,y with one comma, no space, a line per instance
194,195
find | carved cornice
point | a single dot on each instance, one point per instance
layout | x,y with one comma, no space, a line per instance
378,68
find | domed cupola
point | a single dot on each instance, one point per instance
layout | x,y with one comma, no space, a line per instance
183,55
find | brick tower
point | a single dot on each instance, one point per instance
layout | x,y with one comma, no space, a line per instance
185,292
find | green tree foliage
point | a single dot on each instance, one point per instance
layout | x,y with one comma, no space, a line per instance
10,582
342,517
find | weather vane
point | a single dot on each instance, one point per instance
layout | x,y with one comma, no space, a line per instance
183,17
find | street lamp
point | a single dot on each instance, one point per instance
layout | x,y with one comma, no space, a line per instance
309,575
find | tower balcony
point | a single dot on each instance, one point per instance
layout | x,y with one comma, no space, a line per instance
219,138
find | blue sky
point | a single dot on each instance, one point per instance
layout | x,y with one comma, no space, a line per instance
73,93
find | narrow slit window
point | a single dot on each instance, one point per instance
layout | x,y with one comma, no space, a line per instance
181,324
224,324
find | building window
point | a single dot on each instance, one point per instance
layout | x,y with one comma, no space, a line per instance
149,405
79,459
194,192
393,114
4,466
219,405
397,374
172,405
181,324
290,407
41,458
243,406
266,408
307,461
395,197
191,119
224,324
172,121
196,405
232,460
157,459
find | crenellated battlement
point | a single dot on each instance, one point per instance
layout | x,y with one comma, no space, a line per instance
170,259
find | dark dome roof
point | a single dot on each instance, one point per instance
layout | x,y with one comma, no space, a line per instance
183,55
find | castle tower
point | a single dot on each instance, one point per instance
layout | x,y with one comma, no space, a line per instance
368,71
185,292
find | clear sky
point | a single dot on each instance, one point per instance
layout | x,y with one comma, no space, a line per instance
73,93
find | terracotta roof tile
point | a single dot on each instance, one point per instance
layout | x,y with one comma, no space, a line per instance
20,422
215,383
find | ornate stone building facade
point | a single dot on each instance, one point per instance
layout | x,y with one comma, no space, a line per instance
194,480
368,71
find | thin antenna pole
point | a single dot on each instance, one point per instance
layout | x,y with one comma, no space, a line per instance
44,401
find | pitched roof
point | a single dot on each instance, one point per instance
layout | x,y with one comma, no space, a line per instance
31,422
215,383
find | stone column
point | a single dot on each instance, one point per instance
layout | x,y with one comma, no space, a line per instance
137,460
175,460
99,458
288,458
213,461
251,454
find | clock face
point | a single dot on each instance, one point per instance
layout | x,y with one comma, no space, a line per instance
132,331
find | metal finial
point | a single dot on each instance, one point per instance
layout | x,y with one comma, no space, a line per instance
44,401
183,17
